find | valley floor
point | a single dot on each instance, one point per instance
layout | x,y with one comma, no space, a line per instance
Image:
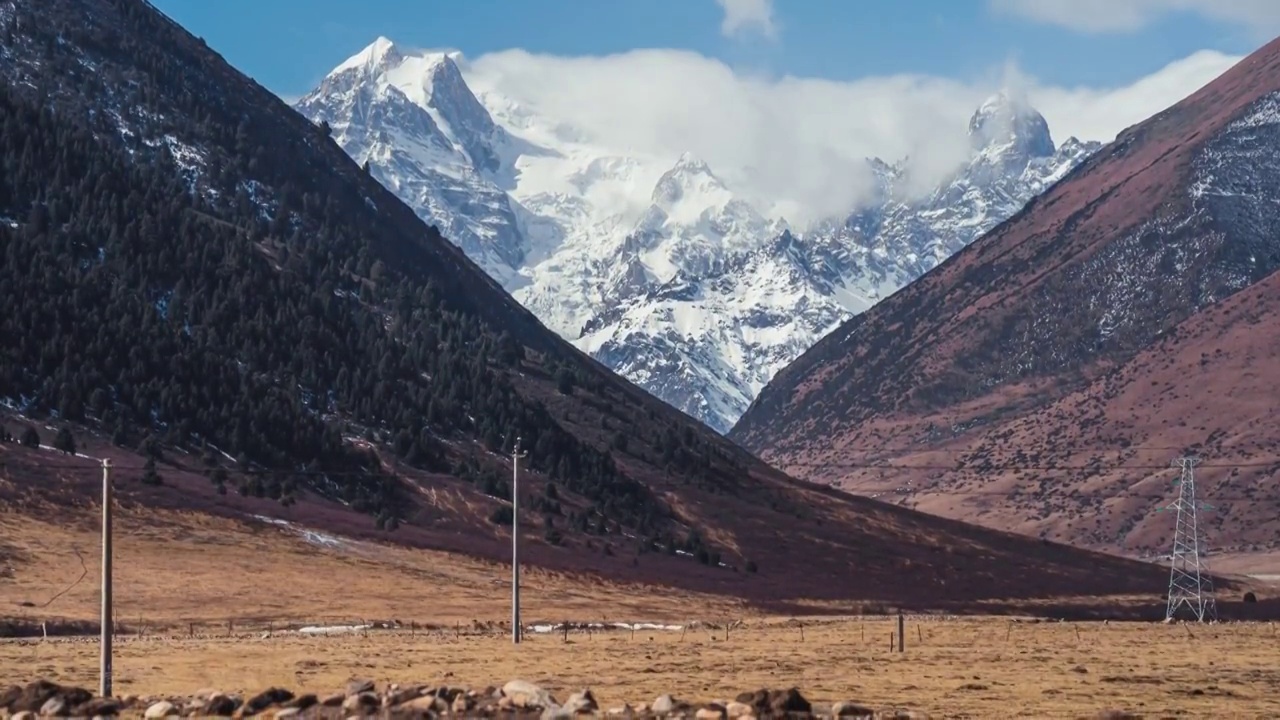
206,602
951,668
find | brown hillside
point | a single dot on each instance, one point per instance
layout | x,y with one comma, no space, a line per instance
1113,324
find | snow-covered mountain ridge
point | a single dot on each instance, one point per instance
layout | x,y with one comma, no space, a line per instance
656,266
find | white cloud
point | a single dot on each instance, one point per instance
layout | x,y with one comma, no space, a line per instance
1098,16
743,15
799,144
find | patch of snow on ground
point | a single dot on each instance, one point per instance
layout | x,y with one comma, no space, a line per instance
332,629
311,536
545,628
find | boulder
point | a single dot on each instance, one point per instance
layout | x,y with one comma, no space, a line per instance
847,709
161,709
264,700
355,687
666,704
219,705
789,701
362,702
98,707
581,703
54,706
524,694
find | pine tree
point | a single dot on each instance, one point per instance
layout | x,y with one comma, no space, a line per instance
30,438
65,441
150,476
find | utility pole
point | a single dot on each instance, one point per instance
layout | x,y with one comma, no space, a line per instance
515,540
104,660
1187,584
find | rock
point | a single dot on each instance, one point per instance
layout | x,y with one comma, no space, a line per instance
33,697
423,704
711,712
264,700
463,703
361,702
8,696
97,707
848,709
162,709
736,710
758,700
666,704
789,701
555,712
524,694
219,705
400,696
1080,669
302,702
55,705
355,687
581,702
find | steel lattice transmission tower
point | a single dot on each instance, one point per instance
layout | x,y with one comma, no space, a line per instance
1188,585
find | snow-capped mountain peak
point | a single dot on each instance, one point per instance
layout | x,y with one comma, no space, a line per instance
656,265
379,54
411,116
1007,121
691,180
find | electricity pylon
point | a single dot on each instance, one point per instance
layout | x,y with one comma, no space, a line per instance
1188,584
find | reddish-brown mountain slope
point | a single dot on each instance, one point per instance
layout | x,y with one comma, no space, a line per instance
1122,317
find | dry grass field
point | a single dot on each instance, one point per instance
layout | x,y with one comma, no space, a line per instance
172,570
950,669
176,572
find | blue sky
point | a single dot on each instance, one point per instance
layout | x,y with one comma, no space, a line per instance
288,45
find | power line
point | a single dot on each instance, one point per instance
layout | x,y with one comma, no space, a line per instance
84,571
250,471
957,451
991,467
1030,493
974,467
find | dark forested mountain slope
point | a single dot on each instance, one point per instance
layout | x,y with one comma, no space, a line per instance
1112,324
194,274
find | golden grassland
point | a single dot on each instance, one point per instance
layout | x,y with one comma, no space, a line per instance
177,572
974,668
171,570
